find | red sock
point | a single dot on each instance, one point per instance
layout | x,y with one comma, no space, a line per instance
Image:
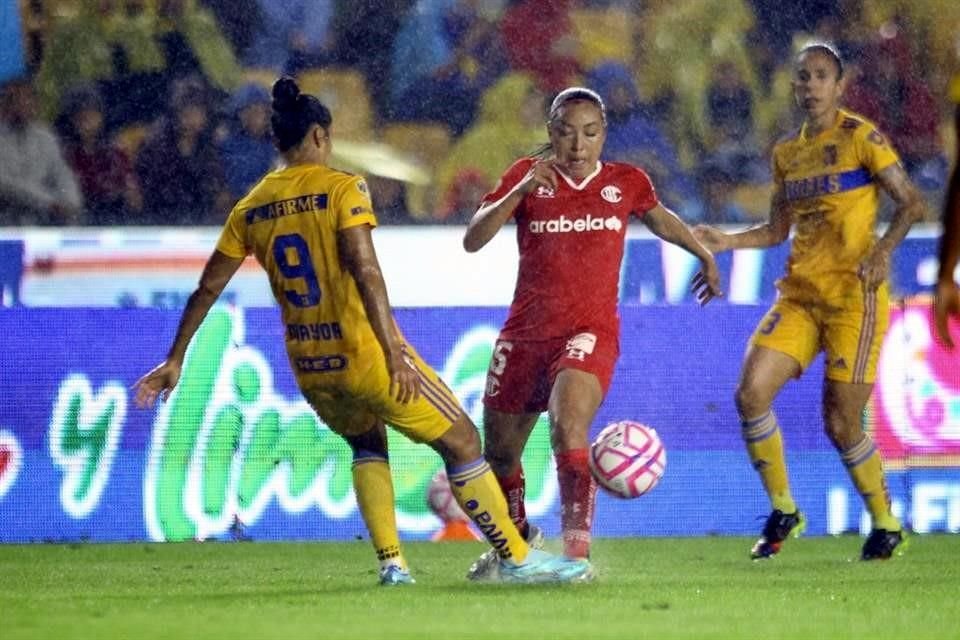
577,492
514,488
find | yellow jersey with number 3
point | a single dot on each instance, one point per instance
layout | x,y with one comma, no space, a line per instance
829,185
289,221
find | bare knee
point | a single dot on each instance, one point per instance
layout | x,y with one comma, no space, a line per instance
372,441
752,400
565,436
842,428
843,406
460,444
503,452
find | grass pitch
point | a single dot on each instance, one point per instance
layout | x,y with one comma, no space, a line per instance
647,588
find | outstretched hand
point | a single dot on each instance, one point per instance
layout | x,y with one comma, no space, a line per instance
946,303
159,382
705,286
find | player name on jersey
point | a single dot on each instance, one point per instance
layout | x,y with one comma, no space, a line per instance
314,331
290,206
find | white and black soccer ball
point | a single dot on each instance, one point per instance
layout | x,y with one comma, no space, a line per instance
627,459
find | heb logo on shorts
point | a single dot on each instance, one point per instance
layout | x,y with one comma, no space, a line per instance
578,225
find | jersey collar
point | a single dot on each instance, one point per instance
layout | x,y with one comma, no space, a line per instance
586,181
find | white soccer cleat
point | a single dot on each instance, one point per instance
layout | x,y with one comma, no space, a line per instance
394,576
541,567
487,566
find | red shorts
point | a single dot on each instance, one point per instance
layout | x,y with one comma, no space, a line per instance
522,372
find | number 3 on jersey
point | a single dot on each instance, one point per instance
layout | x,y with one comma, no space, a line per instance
294,246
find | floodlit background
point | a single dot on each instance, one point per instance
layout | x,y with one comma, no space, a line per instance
154,118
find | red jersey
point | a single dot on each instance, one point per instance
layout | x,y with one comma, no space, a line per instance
571,246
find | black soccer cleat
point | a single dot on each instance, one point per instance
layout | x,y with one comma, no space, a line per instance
778,528
880,544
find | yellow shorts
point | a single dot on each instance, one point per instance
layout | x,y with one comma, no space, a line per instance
850,337
350,403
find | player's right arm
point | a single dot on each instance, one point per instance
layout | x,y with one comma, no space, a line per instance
161,381
488,219
359,258
773,232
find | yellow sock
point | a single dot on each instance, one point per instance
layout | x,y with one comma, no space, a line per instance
866,470
479,495
765,446
374,489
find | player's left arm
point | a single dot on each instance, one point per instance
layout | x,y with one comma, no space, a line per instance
668,226
164,377
910,208
946,297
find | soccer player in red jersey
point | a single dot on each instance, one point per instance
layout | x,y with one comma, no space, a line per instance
560,343
946,301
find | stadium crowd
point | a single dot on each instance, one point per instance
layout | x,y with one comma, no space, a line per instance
152,112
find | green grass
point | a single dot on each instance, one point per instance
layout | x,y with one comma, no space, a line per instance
648,588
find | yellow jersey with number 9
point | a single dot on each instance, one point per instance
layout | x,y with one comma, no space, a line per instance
828,183
289,222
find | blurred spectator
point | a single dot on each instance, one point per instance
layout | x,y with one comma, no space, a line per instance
780,20
239,20
729,105
717,205
540,40
633,136
36,184
247,151
76,51
137,92
510,126
890,92
194,45
683,40
365,34
111,191
445,55
389,200
605,31
179,167
732,140
933,27
292,35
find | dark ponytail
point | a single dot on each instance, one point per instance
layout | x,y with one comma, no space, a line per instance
294,113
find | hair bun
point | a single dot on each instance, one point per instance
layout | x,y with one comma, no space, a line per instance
285,94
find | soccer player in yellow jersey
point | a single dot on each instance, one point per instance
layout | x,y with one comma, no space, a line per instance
309,226
832,298
946,299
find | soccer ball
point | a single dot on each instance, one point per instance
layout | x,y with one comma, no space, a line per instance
627,459
441,501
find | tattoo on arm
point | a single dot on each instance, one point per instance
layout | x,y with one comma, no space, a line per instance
910,204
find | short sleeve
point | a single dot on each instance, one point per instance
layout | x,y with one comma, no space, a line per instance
511,178
351,204
232,240
645,196
775,168
874,151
